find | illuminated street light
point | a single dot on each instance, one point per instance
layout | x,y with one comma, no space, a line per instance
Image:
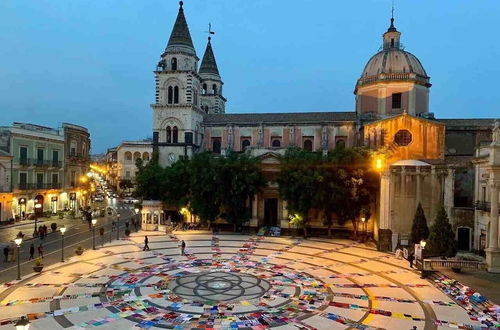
94,221
37,207
18,242
62,230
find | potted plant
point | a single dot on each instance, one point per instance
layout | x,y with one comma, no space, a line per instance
127,232
79,250
38,265
53,226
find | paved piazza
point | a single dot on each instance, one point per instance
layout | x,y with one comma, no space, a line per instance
233,281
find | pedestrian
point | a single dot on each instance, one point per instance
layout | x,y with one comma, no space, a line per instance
32,251
6,253
113,225
136,225
183,248
40,251
411,257
146,246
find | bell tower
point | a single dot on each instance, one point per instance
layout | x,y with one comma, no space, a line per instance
212,100
177,112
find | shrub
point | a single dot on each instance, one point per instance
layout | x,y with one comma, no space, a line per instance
53,226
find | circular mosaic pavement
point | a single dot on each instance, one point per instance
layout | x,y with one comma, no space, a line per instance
232,282
219,286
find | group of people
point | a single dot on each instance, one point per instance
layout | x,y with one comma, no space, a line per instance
41,232
9,254
146,245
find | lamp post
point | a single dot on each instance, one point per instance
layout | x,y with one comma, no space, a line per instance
37,207
18,242
62,230
422,245
22,324
137,213
363,221
117,226
94,221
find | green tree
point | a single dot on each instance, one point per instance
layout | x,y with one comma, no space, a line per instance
126,184
239,178
296,182
150,181
441,238
419,229
204,198
176,186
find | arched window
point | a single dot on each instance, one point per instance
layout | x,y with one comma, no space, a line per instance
276,143
174,63
170,95
308,145
340,143
206,109
176,95
145,156
216,146
137,155
214,89
128,156
169,135
245,144
175,134
204,91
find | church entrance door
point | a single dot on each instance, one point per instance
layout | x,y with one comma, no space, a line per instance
271,212
464,238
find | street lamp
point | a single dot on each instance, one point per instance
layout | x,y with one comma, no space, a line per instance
137,213
363,221
422,245
22,324
94,221
117,226
37,207
18,242
63,230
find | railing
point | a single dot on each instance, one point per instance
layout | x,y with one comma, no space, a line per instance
483,206
39,162
38,186
435,264
393,76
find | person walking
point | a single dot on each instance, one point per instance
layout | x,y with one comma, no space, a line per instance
6,253
32,251
411,257
183,248
40,251
146,246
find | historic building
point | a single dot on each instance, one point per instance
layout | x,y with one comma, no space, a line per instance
427,160
37,169
121,161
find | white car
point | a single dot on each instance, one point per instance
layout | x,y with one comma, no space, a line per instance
130,200
99,198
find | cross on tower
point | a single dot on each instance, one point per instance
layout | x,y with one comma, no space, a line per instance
210,32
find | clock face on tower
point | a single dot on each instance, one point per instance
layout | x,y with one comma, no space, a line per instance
171,157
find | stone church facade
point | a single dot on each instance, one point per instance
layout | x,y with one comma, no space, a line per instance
428,160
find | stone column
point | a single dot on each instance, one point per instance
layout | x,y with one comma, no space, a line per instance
254,221
384,200
493,241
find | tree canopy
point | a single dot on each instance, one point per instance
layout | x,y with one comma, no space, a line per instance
441,236
419,229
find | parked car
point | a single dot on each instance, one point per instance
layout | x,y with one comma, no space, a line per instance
130,200
99,198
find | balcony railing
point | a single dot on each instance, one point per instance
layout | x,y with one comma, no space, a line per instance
38,186
483,206
39,162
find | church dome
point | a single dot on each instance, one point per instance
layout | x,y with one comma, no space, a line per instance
393,60
393,63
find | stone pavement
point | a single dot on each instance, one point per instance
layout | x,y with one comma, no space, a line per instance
230,282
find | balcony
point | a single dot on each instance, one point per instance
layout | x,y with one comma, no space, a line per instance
38,186
484,206
39,162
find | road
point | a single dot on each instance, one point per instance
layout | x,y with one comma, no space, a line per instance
77,234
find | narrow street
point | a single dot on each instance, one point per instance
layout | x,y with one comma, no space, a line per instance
77,234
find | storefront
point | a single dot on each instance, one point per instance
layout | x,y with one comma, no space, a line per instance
53,204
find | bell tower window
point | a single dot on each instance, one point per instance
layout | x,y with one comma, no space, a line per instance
214,89
392,42
174,63
170,95
176,95
175,134
204,91
169,134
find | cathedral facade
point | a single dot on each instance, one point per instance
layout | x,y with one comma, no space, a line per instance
428,160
